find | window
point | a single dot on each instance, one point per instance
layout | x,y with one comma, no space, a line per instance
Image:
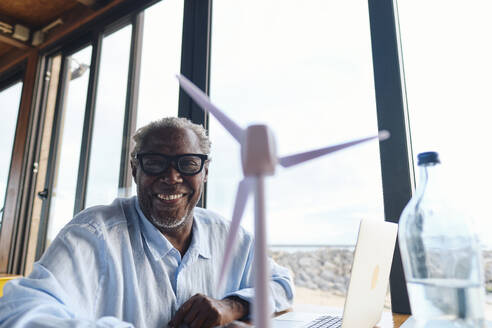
9,102
161,54
91,134
306,71
70,137
107,137
448,74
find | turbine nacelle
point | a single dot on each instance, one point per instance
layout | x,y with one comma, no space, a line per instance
258,151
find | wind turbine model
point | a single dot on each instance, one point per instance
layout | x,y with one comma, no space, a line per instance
259,159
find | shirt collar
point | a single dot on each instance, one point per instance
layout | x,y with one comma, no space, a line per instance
160,246
200,238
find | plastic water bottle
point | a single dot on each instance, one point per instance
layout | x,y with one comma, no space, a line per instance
441,256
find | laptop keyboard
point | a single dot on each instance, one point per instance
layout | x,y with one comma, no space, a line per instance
325,321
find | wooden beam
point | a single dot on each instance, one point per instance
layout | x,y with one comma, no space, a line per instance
9,20
14,42
12,59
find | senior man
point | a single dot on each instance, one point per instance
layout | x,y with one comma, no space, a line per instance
145,261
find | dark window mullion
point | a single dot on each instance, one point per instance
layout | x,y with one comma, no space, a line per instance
391,113
195,55
130,121
88,125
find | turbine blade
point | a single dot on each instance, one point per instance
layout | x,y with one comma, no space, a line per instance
243,191
204,102
295,159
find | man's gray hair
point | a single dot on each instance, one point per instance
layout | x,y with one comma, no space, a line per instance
171,123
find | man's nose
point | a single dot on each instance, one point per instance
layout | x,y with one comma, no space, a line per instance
171,176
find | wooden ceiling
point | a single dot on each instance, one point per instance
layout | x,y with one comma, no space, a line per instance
35,13
38,15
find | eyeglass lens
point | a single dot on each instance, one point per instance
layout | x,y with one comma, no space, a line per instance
156,164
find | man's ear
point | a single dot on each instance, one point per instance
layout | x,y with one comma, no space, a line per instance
134,170
205,169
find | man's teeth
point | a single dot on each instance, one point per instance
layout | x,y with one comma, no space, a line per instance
169,197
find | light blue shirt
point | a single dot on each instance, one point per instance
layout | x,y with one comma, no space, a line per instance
110,267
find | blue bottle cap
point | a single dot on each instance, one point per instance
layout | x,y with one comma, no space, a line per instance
428,157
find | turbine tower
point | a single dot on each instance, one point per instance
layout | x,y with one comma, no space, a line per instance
259,159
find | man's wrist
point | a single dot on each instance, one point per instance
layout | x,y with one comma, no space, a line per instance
239,307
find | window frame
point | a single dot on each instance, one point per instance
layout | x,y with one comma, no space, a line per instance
95,39
14,220
396,168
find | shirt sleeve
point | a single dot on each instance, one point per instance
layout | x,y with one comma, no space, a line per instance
63,289
281,286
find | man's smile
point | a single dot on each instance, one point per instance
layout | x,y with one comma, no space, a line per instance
169,197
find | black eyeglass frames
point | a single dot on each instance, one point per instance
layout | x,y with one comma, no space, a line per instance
185,164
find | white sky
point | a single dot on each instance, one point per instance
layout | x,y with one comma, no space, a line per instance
306,71
310,65
448,71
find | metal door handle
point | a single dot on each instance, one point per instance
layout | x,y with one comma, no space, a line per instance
43,194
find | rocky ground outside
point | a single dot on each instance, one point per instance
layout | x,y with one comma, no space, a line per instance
322,276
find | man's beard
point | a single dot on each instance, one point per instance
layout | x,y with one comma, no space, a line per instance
168,223
164,221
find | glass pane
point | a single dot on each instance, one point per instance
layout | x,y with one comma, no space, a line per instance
9,102
448,73
104,165
312,83
70,137
161,56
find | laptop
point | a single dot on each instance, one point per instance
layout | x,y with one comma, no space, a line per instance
368,281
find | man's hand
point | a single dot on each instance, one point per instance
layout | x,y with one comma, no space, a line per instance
202,311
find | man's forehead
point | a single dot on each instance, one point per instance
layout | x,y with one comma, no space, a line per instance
172,138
